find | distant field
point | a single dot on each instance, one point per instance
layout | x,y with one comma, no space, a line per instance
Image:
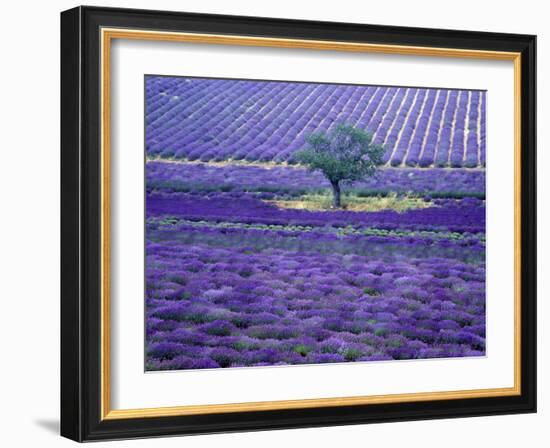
295,181
215,120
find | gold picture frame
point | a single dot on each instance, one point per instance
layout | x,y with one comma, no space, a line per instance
103,29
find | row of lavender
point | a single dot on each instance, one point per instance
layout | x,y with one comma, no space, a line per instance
212,119
280,181
216,303
467,215
235,281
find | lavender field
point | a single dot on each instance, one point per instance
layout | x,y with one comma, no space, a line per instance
212,119
248,263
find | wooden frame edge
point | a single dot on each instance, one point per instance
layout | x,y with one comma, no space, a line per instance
107,34
306,403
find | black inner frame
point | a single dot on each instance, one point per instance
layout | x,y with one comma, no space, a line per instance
80,224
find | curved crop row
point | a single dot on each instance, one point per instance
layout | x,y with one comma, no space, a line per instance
221,119
467,215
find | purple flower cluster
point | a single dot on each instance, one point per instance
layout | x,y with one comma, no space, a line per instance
467,215
374,241
232,281
210,306
222,119
420,128
281,180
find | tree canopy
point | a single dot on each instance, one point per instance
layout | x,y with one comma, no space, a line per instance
343,154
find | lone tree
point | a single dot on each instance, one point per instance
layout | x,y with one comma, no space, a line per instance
343,154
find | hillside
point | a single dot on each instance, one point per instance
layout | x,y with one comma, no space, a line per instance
215,120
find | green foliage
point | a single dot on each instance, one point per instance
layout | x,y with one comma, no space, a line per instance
344,154
302,349
351,354
371,291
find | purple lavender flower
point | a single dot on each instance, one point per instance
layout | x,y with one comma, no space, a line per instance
234,280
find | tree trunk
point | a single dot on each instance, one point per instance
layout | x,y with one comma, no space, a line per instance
336,194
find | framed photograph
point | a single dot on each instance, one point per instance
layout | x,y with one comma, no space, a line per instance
274,223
